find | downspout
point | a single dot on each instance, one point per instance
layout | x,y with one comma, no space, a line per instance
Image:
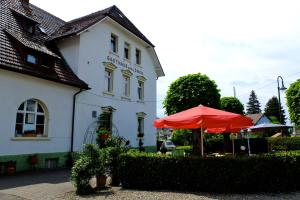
73,118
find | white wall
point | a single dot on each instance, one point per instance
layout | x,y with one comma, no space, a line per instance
94,47
70,50
16,88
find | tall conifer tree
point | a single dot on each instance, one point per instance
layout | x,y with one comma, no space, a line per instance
272,110
253,106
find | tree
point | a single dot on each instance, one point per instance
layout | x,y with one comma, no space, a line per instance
253,106
272,110
190,91
293,101
232,104
182,137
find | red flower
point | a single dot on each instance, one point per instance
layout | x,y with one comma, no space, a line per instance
104,136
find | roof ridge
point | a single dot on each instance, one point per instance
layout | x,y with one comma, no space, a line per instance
104,11
42,10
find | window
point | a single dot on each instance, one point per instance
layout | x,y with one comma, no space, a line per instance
141,90
140,125
31,59
108,80
126,80
127,51
137,56
114,43
31,119
42,30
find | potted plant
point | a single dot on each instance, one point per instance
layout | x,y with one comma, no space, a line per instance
102,137
11,167
33,160
101,168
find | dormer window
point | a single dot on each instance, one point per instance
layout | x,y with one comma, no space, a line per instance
30,28
31,59
42,30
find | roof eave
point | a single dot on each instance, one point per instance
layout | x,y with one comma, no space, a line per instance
81,86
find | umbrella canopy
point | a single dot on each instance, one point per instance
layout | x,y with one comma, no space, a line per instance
268,126
213,120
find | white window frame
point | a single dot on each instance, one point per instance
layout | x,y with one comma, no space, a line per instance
141,90
34,113
126,86
109,80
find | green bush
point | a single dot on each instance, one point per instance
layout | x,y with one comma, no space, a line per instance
91,162
265,173
284,143
182,137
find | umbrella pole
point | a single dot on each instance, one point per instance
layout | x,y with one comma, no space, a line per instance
233,145
202,150
249,151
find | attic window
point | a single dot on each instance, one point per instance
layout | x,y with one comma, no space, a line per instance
42,30
30,28
31,59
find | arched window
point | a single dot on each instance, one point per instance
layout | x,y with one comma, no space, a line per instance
31,119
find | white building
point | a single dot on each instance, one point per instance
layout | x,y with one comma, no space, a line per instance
102,61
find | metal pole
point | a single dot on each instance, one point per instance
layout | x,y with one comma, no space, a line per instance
279,101
232,144
202,150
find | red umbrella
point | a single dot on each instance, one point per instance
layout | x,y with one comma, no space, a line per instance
204,117
213,120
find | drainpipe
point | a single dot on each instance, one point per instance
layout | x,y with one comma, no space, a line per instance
73,118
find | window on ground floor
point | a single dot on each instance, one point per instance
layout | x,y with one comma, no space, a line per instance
31,119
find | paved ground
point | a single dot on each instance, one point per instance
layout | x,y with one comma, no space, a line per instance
35,186
55,185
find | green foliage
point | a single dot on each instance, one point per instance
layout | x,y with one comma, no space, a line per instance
272,110
253,106
190,91
91,162
274,119
232,104
263,173
284,143
293,101
182,137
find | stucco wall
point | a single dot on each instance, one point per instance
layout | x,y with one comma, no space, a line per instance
16,88
94,48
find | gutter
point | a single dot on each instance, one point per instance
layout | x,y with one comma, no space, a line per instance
73,118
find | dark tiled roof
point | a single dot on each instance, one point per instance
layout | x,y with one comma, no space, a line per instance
12,14
77,25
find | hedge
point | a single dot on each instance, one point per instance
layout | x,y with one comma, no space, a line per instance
264,173
284,143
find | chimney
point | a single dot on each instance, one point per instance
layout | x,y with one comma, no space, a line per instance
25,2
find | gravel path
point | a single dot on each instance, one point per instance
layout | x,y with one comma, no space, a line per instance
120,194
55,185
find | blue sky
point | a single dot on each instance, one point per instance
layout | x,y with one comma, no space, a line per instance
245,44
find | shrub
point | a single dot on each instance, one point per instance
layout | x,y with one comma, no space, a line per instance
284,143
182,137
91,162
264,173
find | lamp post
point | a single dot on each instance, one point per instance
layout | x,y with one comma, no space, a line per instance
282,88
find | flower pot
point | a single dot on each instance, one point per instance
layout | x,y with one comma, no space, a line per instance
104,136
11,170
101,181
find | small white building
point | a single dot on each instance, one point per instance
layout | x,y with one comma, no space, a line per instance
57,78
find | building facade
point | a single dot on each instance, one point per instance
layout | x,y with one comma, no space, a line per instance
57,78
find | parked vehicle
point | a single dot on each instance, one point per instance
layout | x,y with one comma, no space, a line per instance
169,145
